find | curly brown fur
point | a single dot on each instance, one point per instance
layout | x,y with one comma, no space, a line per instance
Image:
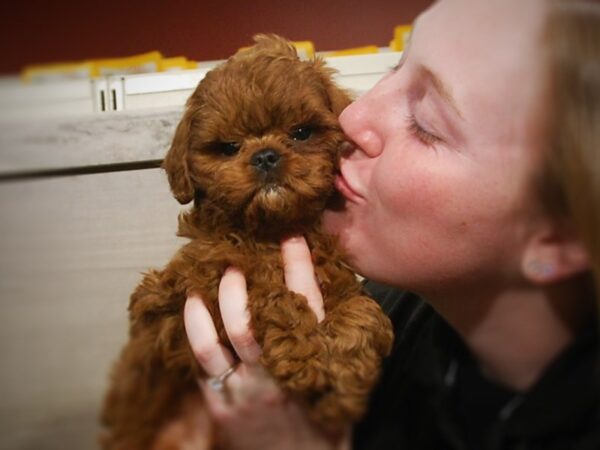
263,99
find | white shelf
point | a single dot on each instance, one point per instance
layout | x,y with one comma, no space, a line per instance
132,92
119,119
21,102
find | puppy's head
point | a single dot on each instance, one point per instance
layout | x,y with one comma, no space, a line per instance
259,138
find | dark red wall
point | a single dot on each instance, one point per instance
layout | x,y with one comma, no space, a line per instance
37,31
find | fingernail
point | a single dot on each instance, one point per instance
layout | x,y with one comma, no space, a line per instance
294,239
232,270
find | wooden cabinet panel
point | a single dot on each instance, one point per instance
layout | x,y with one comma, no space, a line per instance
71,252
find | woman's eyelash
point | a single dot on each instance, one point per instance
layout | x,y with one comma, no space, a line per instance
420,133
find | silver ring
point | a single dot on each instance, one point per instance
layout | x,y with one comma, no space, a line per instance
218,383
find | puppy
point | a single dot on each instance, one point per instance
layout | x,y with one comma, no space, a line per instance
256,151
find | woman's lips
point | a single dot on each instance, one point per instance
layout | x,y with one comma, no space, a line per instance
344,188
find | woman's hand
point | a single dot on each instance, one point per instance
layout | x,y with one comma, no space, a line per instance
251,411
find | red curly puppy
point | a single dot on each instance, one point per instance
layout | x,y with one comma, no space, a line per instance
257,152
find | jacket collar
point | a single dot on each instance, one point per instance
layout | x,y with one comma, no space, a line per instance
565,398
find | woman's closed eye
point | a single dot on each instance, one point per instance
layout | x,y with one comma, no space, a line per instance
426,137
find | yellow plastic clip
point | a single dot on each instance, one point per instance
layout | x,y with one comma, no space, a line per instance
401,37
144,63
305,49
365,50
40,73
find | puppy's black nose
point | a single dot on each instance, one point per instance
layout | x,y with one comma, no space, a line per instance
266,159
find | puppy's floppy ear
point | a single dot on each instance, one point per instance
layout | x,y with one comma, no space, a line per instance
176,164
338,98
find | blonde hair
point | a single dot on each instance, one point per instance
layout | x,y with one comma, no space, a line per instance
574,160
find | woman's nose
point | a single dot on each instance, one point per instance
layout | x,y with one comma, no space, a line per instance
359,122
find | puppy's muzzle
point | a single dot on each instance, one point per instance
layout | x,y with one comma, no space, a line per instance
265,160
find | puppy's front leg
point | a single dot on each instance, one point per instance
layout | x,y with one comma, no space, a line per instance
330,367
293,348
358,335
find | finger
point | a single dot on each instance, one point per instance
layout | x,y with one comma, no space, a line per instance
233,301
202,335
300,273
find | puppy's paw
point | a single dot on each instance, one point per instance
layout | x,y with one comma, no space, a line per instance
296,360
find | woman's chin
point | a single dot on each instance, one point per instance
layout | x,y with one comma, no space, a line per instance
339,223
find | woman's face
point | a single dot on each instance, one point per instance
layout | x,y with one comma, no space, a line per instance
437,182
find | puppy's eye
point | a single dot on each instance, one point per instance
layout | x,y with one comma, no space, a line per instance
227,148
302,133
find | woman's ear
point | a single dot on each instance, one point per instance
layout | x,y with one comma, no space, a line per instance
553,255
176,164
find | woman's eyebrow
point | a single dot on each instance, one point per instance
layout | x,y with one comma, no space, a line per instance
440,87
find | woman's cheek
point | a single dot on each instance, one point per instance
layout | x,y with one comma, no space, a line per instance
397,190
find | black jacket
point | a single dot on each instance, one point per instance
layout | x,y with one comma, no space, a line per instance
431,397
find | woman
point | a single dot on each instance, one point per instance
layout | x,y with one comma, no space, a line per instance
471,181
